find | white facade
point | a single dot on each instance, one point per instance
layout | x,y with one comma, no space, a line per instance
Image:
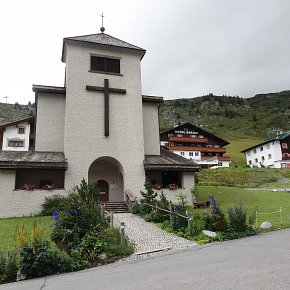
196,157
265,155
151,129
50,122
84,115
16,137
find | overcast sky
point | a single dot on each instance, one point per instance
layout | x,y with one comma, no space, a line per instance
194,47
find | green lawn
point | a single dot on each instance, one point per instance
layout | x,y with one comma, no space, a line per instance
236,146
8,229
264,201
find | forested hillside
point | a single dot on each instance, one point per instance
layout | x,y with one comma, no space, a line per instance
231,117
10,112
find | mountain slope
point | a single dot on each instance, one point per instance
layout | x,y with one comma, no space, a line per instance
231,117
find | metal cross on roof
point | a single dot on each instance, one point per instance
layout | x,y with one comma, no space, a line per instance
102,28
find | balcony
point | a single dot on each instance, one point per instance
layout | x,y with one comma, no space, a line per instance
195,148
187,139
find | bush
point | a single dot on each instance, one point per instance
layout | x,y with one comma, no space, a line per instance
9,264
71,227
196,227
54,202
215,220
40,259
237,219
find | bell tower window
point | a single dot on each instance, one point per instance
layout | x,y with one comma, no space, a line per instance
105,64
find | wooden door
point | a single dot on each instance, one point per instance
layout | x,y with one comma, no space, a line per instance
104,190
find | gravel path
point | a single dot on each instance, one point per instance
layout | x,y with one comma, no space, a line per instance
147,237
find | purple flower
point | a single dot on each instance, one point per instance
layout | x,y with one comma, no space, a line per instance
75,211
67,213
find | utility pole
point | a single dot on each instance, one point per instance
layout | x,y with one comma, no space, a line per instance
6,98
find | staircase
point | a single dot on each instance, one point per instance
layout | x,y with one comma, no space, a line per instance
116,207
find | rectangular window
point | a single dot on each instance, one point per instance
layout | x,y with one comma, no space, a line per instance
196,154
105,64
190,153
255,151
182,153
269,156
256,160
15,143
250,162
268,146
171,178
21,130
261,148
263,158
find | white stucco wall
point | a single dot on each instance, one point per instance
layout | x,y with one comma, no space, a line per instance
16,203
84,116
151,129
50,122
187,184
272,148
11,132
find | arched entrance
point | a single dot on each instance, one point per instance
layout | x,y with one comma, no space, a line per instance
104,190
108,173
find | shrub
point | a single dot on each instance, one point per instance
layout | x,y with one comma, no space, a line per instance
149,196
215,220
71,226
196,227
54,202
237,219
9,264
40,259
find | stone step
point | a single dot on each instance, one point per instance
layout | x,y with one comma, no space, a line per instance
116,207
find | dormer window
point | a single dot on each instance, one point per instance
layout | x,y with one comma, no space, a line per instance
105,64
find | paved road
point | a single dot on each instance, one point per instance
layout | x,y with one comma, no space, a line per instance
261,262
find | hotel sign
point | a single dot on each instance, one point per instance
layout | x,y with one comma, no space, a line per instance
187,132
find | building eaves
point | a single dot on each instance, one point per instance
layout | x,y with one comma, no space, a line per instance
152,99
32,160
202,130
279,137
103,39
49,89
13,123
169,161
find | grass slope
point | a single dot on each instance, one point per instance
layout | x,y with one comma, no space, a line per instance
264,201
8,228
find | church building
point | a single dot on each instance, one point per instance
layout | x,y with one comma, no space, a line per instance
98,126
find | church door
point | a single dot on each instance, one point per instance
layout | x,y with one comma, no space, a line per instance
104,190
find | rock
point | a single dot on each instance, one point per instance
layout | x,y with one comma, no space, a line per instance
266,225
103,256
209,233
20,276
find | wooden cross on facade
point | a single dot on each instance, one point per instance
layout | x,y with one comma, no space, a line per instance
106,90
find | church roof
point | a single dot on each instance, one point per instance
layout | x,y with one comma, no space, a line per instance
102,39
30,160
169,161
62,91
